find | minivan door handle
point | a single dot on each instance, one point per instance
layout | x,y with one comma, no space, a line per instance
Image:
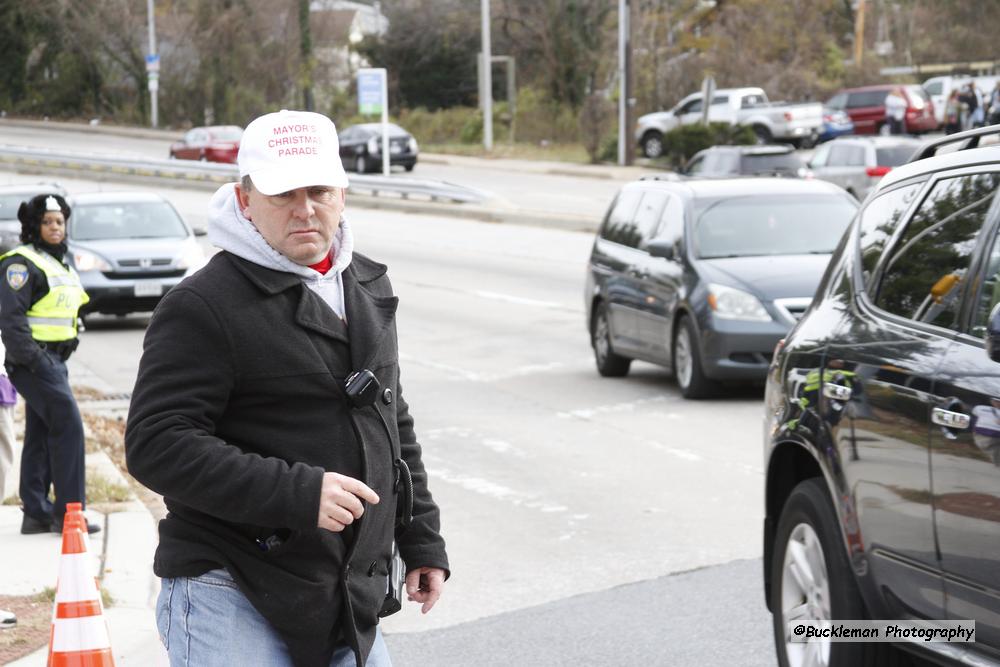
958,421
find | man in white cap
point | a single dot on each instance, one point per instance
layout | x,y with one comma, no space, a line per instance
269,414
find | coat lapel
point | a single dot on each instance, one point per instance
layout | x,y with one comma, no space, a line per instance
369,317
316,316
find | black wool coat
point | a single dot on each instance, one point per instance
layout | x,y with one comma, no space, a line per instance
238,410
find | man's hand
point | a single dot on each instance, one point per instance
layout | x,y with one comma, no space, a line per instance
340,501
425,584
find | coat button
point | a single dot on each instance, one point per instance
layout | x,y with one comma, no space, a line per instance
387,396
372,567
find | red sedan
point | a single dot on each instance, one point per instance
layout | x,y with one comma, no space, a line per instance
217,143
866,107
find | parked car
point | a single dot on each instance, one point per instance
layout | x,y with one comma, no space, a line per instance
745,161
216,143
705,276
129,248
836,123
11,197
778,121
938,88
882,422
857,164
361,147
866,107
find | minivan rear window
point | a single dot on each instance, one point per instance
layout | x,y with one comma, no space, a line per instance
773,225
893,156
866,98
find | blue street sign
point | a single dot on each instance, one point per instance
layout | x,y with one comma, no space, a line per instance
370,91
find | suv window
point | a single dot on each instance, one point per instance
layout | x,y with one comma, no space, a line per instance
672,221
647,216
878,223
866,98
924,273
845,155
838,101
619,226
770,163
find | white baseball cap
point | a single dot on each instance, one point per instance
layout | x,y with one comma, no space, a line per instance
286,150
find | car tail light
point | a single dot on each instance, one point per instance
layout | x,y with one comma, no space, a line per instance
788,115
877,171
777,350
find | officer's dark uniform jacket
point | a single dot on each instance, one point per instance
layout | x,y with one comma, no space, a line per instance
32,286
237,412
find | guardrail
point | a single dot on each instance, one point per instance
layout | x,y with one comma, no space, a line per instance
210,173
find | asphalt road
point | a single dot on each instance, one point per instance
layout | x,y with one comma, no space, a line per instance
568,500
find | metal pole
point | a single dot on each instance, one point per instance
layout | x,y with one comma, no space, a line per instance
487,79
622,82
154,87
386,166
859,33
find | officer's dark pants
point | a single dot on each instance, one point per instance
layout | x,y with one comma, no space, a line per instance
53,439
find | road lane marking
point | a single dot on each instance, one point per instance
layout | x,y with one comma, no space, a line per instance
588,414
473,376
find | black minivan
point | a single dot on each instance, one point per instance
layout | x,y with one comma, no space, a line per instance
882,422
705,276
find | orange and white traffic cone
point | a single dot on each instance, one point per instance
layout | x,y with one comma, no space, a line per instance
79,632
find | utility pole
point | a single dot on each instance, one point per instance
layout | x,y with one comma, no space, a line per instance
622,81
486,92
859,33
153,67
305,52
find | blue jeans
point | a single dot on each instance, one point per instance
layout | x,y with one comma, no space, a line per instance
207,622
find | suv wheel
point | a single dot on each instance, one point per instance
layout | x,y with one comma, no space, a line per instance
652,144
609,364
811,580
686,361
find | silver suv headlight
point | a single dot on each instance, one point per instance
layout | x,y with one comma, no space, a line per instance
84,261
729,303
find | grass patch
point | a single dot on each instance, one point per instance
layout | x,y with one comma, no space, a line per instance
100,489
574,153
12,499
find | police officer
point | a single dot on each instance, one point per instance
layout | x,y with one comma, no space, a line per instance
40,299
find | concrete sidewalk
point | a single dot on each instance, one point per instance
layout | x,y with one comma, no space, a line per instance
123,558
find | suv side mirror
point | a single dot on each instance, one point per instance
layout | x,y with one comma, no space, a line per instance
993,334
665,248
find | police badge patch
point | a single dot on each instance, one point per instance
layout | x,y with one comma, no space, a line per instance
17,276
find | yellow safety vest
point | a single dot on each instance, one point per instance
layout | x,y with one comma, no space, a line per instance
53,317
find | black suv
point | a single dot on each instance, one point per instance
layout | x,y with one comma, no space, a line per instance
882,423
705,276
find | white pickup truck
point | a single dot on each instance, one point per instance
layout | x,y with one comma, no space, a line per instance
798,124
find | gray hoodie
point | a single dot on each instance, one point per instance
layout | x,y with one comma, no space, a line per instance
229,229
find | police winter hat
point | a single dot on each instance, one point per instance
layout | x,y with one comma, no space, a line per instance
286,150
30,212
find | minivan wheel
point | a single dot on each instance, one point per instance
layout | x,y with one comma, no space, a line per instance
811,580
652,144
687,363
609,364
